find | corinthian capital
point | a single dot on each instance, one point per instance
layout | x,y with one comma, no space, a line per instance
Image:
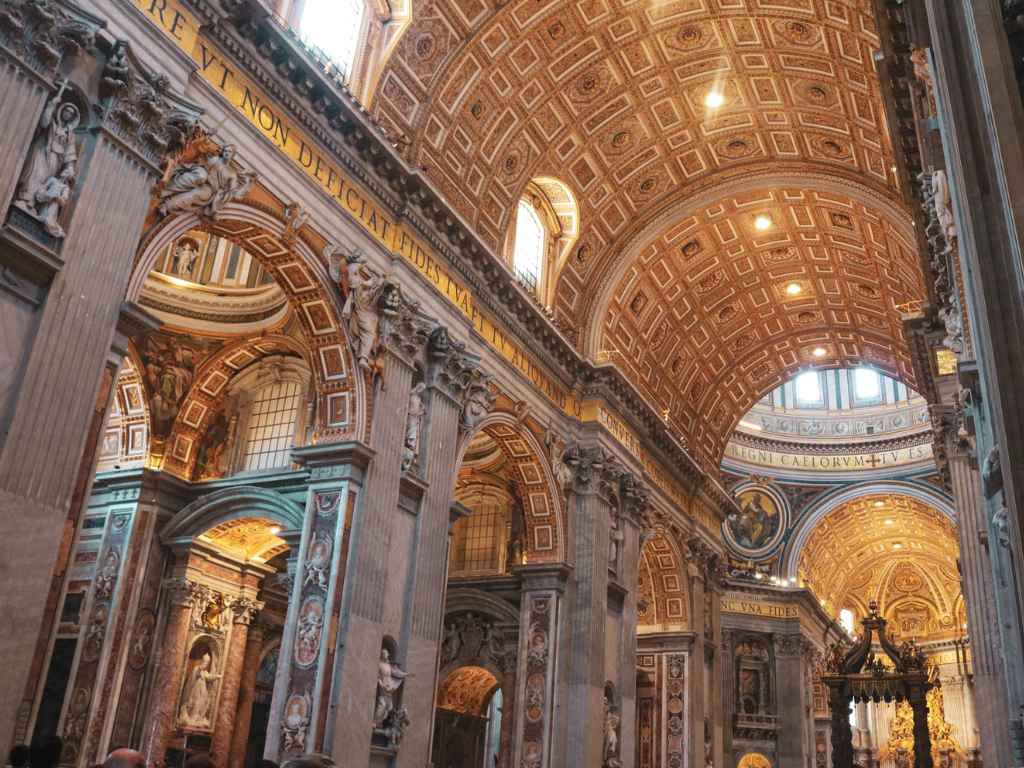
456,372
592,470
245,610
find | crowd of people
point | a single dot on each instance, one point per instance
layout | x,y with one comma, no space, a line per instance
47,754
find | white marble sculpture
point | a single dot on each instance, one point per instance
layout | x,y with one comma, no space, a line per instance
197,700
390,678
413,425
205,187
45,185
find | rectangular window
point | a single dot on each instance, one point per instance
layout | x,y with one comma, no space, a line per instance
272,426
478,540
333,27
867,386
808,389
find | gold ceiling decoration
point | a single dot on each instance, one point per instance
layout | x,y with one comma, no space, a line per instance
467,691
893,549
611,98
247,538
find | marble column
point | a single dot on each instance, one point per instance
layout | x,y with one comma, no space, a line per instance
595,478
634,503
538,692
790,677
379,563
226,723
717,682
698,556
181,597
62,296
246,695
305,686
457,398
988,689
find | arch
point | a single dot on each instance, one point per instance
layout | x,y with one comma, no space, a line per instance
542,501
302,274
823,506
213,381
663,582
463,599
125,440
699,317
230,504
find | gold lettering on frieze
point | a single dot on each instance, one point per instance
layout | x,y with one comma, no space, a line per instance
756,608
835,463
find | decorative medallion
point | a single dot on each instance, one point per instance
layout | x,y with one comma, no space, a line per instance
761,522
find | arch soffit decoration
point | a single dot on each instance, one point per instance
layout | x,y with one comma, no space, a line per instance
213,381
476,601
822,507
625,126
342,408
229,504
667,591
542,502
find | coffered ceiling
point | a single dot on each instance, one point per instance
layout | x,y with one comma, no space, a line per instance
893,549
611,98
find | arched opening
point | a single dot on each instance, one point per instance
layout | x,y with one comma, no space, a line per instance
467,729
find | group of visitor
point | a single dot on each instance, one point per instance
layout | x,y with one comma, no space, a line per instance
47,753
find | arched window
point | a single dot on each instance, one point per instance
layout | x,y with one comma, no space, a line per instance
334,26
268,441
530,245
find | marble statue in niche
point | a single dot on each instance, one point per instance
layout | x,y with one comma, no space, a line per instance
610,746
757,521
389,720
184,257
52,164
198,692
413,427
205,187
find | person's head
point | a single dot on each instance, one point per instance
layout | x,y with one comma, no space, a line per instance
45,753
125,758
19,756
312,760
68,113
200,761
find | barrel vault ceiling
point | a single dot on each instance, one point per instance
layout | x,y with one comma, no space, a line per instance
670,278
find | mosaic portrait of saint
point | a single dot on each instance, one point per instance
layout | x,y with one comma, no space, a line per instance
757,521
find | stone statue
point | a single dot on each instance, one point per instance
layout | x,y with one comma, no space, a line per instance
556,451
117,73
183,261
992,474
198,696
362,312
52,163
610,748
413,425
390,678
205,187
478,403
1001,526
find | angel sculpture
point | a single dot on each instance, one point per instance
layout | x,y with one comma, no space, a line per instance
205,187
363,292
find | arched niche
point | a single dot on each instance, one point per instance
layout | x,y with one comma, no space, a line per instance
663,585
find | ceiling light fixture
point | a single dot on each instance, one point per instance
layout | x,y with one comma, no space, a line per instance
897,545
794,289
714,99
274,530
879,503
763,222
819,351
890,522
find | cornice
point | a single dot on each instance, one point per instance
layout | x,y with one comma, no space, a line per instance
277,62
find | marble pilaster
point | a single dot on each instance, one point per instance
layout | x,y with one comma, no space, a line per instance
227,725
181,595
246,694
538,698
596,475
